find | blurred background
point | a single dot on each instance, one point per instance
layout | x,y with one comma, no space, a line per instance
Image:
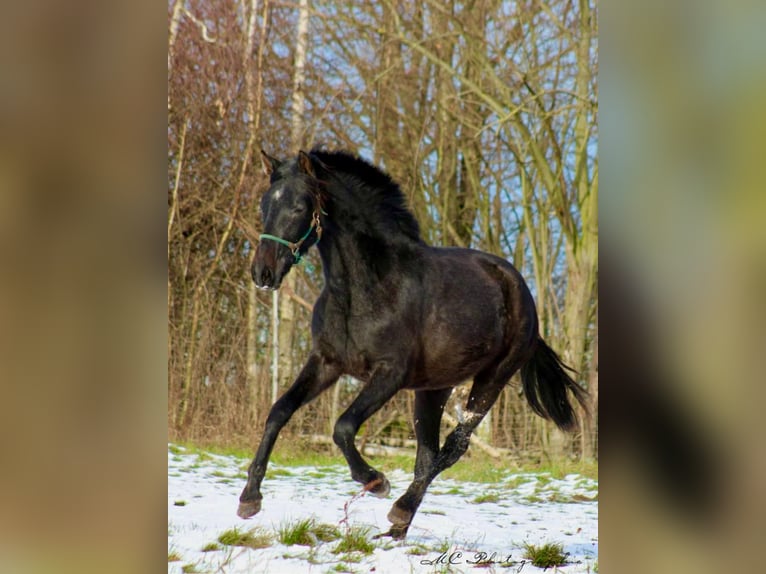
93,377
683,260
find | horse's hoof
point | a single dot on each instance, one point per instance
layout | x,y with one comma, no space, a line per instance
395,532
398,532
248,508
379,487
399,517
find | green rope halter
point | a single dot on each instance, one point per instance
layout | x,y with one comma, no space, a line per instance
295,247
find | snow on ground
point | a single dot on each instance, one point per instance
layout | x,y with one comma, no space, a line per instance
459,518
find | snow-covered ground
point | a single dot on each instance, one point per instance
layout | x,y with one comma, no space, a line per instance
459,518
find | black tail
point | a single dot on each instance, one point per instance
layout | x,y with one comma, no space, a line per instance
545,382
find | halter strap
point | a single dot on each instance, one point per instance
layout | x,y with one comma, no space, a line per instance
295,247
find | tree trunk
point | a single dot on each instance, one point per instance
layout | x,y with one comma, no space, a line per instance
287,305
254,106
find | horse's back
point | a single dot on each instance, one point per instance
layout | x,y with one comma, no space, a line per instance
477,272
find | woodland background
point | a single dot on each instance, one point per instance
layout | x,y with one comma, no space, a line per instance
485,113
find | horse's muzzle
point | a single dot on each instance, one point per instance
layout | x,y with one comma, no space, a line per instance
270,265
264,277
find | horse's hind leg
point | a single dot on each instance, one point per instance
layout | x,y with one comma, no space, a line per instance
429,406
486,388
384,384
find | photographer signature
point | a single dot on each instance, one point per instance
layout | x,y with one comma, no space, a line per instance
476,559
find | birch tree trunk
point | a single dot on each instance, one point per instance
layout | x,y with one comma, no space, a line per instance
254,89
286,303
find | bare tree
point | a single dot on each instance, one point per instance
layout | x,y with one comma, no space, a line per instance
483,111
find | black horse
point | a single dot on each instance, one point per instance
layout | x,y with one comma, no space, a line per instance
396,314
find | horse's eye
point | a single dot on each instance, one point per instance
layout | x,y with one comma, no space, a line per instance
299,208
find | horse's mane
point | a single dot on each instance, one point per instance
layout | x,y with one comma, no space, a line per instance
377,192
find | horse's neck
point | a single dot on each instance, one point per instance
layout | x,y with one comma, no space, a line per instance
348,268
341,255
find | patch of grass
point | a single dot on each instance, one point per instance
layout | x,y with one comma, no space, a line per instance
559,498
207,449
210,547
273,472
173,556
559,469
179,503
515,481
355,540
314,558
387,463
474,467
583,498
477,469
189,568
255,538
307,533
531,499
453,490
438,512
326,532
545,556
304,453
543,480
417,550
488,497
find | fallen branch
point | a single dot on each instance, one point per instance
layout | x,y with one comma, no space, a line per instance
480,444
407,446
297,298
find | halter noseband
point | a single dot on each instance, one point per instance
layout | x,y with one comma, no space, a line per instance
295,247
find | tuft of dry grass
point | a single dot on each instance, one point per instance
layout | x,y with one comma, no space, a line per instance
255,538
546,555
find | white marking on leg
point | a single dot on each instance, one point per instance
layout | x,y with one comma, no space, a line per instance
472,418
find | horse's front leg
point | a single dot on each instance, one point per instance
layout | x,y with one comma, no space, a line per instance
385,382
316,376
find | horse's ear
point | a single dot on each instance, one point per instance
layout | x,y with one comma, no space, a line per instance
304,162
270,164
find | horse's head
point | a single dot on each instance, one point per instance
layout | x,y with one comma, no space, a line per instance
290,211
